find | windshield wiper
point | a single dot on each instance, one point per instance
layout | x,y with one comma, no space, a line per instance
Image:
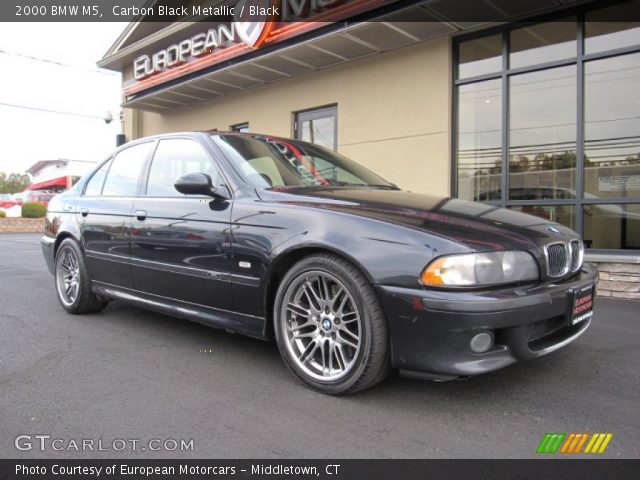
390,187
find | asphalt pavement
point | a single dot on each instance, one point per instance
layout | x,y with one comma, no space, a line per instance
128,374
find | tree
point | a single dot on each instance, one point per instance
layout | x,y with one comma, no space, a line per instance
14,183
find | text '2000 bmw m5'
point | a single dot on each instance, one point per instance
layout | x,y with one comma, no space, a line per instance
273,237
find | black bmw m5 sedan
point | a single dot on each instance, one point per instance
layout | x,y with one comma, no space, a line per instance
278,238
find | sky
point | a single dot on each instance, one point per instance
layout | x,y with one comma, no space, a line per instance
85,94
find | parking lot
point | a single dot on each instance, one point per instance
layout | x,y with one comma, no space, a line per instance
127,373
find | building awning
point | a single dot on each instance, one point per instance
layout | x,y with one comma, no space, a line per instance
408,22
331,49
56,182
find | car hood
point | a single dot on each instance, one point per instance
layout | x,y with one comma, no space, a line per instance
476,225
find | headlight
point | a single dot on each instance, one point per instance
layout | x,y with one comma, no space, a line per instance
475,269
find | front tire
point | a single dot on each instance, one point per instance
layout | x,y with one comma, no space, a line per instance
73,284
330,327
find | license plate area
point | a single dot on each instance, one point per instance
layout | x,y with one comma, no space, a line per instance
582,305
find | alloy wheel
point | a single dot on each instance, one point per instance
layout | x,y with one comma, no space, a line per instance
322,325
68,276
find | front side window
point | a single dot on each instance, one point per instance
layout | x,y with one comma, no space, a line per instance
174,158
272,162
123,176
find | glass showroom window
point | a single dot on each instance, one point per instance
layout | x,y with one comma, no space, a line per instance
240,127
547,123
318,126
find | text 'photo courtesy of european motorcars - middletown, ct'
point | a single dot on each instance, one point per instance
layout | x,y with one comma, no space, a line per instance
282,239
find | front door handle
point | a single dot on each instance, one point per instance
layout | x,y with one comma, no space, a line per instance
140,215
84,212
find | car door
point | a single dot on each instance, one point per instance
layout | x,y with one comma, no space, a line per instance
180,243
104,215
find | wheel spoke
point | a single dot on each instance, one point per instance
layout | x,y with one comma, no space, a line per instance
298,310
311,334
339,291
343,303
340,357
346,317
312,296
331,353
308,352
323,355
346,341
308,323
349,332
324,289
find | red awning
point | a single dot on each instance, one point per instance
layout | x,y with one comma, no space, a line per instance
62,182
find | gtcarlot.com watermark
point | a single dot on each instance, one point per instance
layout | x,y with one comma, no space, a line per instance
44,443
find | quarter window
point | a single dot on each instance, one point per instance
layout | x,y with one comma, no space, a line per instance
94,185
174,158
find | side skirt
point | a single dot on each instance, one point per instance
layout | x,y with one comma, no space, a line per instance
230,321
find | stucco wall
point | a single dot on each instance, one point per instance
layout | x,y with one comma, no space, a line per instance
393,113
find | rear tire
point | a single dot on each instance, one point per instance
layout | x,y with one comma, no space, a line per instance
330,326
73,284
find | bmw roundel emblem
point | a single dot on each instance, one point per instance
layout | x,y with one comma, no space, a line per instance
553,229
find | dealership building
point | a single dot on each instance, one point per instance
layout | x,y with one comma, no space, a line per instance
533,105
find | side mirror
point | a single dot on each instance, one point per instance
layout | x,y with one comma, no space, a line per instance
197,184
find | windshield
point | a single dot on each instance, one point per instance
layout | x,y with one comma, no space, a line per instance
269,162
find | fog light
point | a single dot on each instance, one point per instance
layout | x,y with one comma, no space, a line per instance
481,342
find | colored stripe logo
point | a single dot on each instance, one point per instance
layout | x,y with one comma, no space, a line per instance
574,443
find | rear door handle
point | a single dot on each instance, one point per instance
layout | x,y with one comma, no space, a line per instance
84,212
140,215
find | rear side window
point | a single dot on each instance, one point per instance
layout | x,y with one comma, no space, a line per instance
94,185
122,179
174,158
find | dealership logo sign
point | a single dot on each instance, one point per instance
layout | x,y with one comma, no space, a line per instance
254,21
250,32
247,25
224,36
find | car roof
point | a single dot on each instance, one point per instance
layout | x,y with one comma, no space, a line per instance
210,132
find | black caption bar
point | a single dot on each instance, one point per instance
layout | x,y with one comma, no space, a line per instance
318,469
465,11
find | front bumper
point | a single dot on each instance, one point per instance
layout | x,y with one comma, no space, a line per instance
431,330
